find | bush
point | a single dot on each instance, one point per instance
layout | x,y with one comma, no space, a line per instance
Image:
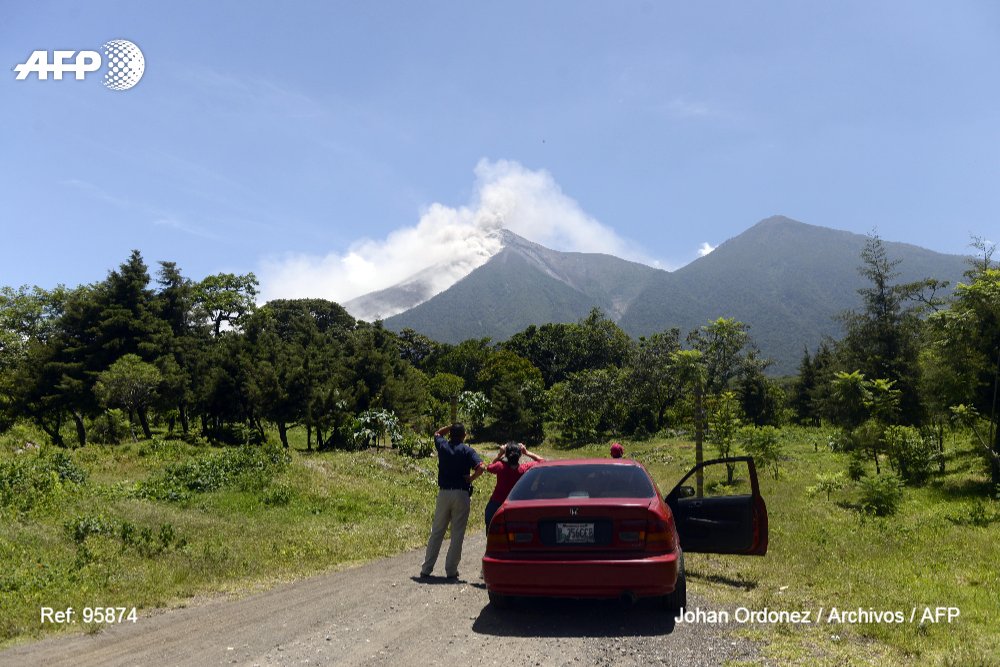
249,467
139,538
23,436
29,481
473,408
763,444
374,427
978,514
881,494
236,434
80,528
110,428
856,466
277,495
412,444
839,441
913,455
827,483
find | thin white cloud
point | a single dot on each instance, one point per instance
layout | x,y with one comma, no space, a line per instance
96,192
449,242
706,248
187,228
159,218
682,107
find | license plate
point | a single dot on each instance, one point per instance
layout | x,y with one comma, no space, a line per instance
574,533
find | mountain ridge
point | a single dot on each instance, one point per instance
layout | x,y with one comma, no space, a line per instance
786,279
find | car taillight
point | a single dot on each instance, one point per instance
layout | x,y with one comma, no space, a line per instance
632,532
520,532
659,534
496,537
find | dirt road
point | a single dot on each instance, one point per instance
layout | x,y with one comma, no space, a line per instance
379,614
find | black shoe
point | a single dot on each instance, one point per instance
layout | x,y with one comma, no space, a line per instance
452,577
424,575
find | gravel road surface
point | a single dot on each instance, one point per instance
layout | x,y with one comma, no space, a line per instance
380,614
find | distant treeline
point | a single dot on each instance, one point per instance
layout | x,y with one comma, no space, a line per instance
114,359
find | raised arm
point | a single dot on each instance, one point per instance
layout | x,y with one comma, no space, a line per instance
530,455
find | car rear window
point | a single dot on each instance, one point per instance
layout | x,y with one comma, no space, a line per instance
583,481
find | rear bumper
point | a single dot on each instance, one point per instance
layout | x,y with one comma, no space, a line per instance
529,575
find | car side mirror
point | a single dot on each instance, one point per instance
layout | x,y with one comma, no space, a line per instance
685,492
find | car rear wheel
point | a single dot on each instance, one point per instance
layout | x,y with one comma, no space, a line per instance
677,600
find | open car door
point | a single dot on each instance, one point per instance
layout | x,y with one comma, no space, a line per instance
730,516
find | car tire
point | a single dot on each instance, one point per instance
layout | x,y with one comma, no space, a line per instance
677,600
498,600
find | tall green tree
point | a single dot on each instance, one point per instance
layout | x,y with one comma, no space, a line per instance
651,387
29,320
129,383
967,339
882,339
184,339
724,421
589,404
722,344
226,298
690,370
557,350
515,389
802,391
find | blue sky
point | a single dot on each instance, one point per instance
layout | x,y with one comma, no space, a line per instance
291,139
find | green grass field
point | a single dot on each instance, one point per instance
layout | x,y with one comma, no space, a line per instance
941,549
125,536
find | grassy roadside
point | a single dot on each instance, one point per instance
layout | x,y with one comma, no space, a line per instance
941,549
117,539
100,542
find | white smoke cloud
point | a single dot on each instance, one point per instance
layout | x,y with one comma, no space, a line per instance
452,240
706,248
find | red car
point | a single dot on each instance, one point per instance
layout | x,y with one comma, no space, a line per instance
600,528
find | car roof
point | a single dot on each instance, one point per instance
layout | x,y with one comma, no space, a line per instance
572,462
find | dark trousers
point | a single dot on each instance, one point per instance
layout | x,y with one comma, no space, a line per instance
491,509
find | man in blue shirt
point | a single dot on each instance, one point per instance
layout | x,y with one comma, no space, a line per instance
455,460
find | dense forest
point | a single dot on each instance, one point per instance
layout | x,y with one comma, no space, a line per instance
114,360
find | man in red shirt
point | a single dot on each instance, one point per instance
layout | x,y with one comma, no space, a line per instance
508,469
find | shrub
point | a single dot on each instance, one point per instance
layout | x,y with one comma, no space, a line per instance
249,467
978,514
412,444
473,408
839,441
763,444
23,436
29,481
375,427
236,434
881,494
110,428
277,495
827,483
139,538
61,464
724,421
913,455
80,528
856,466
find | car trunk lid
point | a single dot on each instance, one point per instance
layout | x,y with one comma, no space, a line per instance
581,525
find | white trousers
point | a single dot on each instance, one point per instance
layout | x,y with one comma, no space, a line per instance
452,508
